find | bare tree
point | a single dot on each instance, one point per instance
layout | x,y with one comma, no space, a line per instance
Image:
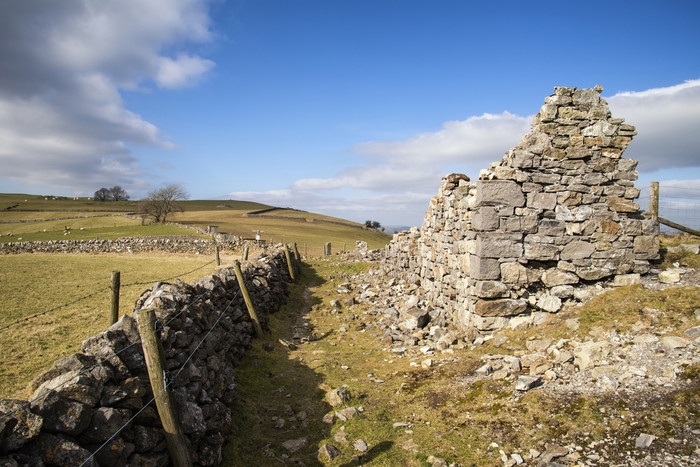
163,201
118,193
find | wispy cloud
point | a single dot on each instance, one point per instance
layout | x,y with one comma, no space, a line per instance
667,120
62,66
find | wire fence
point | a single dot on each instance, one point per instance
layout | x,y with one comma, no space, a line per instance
56,308
676,203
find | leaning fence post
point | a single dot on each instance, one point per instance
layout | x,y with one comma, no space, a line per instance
218,259
115,296
654,201
297,256
245,252
290,266
155,363
246,297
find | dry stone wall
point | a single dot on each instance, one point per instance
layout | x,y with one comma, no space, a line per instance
557,212
97,401
170,244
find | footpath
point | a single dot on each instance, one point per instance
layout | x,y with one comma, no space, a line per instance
352,374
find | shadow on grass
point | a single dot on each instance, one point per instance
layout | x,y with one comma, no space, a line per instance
371,454
279,403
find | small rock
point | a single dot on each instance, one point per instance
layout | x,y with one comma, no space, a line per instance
607,383
328,418
484,370
293,445
644,441
526,382
328,451
669,277
693,333
341,437
360,445
428,362
338,396
674,342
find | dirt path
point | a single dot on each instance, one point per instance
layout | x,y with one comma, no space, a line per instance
419,406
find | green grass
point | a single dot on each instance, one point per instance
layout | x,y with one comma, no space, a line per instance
31,284
103,228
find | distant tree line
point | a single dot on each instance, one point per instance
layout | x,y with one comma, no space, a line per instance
373,225
116,193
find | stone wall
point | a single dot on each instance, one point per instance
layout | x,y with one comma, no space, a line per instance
555,213
100,396
170,244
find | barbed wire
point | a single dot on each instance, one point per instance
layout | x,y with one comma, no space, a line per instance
169,278
166,384
106,359
27,318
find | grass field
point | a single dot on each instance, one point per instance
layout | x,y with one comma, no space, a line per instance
31,284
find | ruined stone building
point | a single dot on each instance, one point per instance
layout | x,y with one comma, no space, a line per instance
555,214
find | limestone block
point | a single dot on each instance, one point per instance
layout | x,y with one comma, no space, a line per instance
500,307
541,252
622,204
484,268
549,303
551,227
622,280
553,277
646,247
485,219
499,245
577,250
599,128
669,277
490,289
609,226
496,192
542,200
514,273
588,354
535,142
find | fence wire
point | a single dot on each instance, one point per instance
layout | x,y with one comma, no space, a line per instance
678,204
167,383
105,360
27,318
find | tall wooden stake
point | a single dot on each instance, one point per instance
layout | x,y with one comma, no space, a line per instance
216,250
115,296
290,266
155,363
297,256
245,252
246,297
654,201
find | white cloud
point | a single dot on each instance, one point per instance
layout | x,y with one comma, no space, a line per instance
185,70
63,123
667,120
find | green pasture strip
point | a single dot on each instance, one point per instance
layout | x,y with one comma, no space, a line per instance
43,215
307,235
24,201
222,205
103,228
31,284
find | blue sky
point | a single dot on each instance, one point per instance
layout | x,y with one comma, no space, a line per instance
348,108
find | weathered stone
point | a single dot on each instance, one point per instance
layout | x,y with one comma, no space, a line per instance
484,268
495,192
622,280
500,308
62,415
490,289
553,277
329,452
26,425
499,245
338,397
587,354
293,445
577,250
54,450
622,204
526,382
415,318
549,303
485,219
646,247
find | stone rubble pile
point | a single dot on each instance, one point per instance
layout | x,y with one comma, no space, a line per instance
555,214
84,400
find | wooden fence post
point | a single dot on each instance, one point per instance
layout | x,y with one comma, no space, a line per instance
246,297
654,201
216,250
327,249
245,252
290,266
296,252
155,363
115,296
